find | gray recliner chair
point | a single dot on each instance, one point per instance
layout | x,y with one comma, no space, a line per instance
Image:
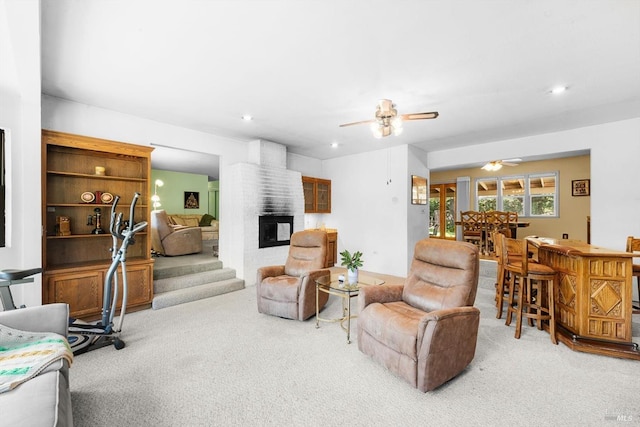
426,329
289,290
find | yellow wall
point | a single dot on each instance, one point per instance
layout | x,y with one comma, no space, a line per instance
573,210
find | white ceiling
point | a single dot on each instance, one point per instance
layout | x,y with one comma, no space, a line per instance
302,68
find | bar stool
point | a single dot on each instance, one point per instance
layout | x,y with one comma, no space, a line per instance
529,306
633,245
503,276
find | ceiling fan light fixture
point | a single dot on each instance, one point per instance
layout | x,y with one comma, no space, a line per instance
492,166
396,122
387,121
376,129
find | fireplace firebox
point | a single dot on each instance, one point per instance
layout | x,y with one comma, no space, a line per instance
274,230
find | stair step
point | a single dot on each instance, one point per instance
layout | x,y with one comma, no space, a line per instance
189,280
193,293
174,267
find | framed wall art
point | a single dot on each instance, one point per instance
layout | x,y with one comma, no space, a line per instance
580,187
191,200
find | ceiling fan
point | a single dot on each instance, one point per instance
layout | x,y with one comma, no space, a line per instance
388,121
497,164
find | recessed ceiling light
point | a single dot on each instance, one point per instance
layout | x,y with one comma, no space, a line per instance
334,145
559,89
247,117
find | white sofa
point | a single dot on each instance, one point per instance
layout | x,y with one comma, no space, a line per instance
44,400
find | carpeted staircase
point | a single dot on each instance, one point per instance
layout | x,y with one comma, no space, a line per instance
177,280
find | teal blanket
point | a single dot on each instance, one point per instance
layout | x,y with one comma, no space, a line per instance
23,355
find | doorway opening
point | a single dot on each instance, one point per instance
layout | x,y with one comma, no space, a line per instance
442,211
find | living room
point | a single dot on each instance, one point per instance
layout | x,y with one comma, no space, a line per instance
371,188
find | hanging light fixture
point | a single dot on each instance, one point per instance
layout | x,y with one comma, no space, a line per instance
155,198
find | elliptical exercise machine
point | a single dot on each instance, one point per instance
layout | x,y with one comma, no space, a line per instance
10,278
84,336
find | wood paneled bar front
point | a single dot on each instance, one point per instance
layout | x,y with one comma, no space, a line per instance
593,296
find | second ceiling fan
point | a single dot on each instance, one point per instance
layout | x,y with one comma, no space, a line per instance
388,121
497,164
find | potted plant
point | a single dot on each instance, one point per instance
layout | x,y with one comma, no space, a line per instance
352,262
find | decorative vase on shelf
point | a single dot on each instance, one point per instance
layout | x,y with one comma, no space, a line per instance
352,276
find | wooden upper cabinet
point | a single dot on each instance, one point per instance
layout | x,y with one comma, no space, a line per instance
309,187
317,195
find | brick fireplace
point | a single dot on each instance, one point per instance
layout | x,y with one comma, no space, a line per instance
274,230
263,188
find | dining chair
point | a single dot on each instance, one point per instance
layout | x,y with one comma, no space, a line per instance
495,221
472,227
513,223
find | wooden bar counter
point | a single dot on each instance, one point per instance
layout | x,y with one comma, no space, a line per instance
593,296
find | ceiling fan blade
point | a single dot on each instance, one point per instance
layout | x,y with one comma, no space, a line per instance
357,123
508,163
420,116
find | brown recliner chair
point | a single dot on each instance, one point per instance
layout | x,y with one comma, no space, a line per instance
424,330
289,290
172,240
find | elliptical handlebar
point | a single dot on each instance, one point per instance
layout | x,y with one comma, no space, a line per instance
116,219
133,227
132,208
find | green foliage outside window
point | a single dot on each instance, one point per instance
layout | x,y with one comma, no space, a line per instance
542,205
513,204
486,204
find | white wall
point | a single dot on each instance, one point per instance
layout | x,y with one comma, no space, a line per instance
20,118
417,215
369,196
307,166
615,150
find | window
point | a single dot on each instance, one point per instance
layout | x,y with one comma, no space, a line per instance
528,195
542,193
487,194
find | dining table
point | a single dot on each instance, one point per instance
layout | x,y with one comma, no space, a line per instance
513,227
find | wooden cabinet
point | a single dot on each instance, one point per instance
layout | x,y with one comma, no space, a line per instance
332,248
75,192
317,195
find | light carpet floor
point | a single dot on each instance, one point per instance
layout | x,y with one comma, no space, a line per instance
218,362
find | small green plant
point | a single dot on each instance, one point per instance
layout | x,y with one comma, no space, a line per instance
352,262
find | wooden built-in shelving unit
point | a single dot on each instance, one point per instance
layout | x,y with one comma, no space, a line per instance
75,264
